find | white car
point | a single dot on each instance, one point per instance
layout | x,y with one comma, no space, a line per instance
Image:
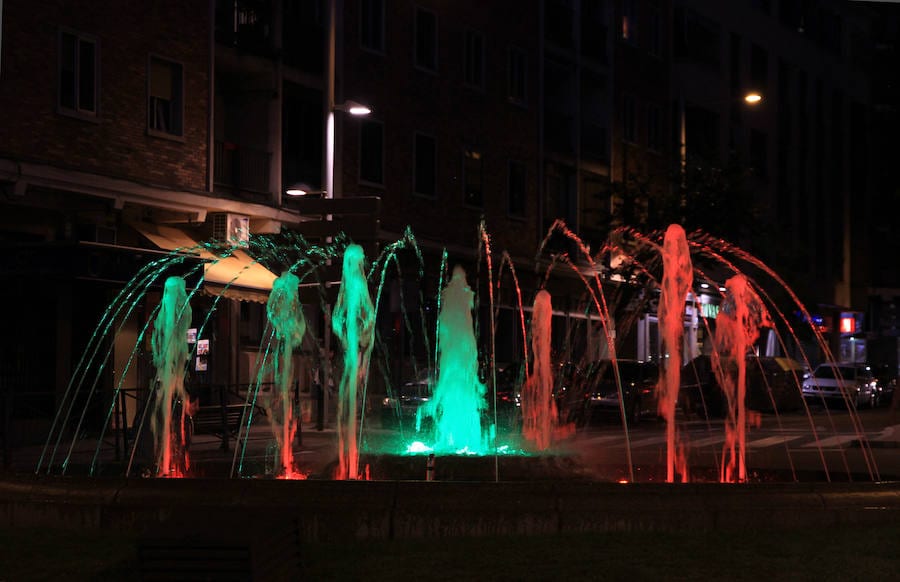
838,383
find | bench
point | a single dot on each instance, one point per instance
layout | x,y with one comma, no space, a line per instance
221,421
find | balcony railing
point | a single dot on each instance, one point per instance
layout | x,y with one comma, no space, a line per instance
242,170
245,24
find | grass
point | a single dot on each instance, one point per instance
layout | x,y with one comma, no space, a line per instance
857,553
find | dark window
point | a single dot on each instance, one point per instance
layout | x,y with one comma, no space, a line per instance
426,40
759,67
654,132
166,99
473,177
734,62
77,73
654,34
758,153
371,154
516,88
516,188
425,165
629,129
629,21
371,26
696,38
474,59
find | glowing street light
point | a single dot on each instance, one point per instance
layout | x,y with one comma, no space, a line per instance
752,98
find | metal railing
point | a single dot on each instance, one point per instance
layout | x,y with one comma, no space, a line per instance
242,169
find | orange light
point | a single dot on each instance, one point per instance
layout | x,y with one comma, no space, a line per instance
848,325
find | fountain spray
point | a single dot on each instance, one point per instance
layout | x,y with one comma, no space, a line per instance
353,322
170,355
286,317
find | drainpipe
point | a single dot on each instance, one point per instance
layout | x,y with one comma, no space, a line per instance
211,106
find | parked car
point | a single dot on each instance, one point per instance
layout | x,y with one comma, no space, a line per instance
638,380
842,383
773,384
401,407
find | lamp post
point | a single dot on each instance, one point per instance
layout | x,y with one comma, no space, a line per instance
351,107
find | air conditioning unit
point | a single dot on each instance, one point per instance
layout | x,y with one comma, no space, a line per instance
232,229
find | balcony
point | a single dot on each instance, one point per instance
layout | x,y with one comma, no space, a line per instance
245,25
242,171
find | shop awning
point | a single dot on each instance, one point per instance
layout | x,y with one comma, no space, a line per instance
236,276
239,277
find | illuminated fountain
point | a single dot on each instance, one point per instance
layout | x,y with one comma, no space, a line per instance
461,411
458,400
677,281
353,322
286,317
170,355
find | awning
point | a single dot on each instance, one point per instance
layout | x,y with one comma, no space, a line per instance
239,277
169,238
236,276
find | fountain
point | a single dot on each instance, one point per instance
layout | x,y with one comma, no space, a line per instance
459,418
458,400
286,316
677,280
353,322
170,355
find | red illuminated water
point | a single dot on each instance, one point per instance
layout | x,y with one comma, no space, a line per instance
353,322
737,329
539,415
678,276
286,317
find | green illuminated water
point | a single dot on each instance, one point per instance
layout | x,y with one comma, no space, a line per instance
353,322
285,314
458,399
170,355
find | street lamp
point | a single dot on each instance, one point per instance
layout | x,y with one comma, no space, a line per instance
303,189
351,107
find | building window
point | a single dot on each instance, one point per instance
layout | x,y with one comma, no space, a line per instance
654,34
629,21
654,132
758,153
166,97
516,79
759,67
426,40
78,79
474,59
629,126
516,187
371,152
425,154
371,25
473,178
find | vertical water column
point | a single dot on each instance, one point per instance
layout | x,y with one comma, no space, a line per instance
737,329
353,322
676,283
539,414
458,400
170,355
286,316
